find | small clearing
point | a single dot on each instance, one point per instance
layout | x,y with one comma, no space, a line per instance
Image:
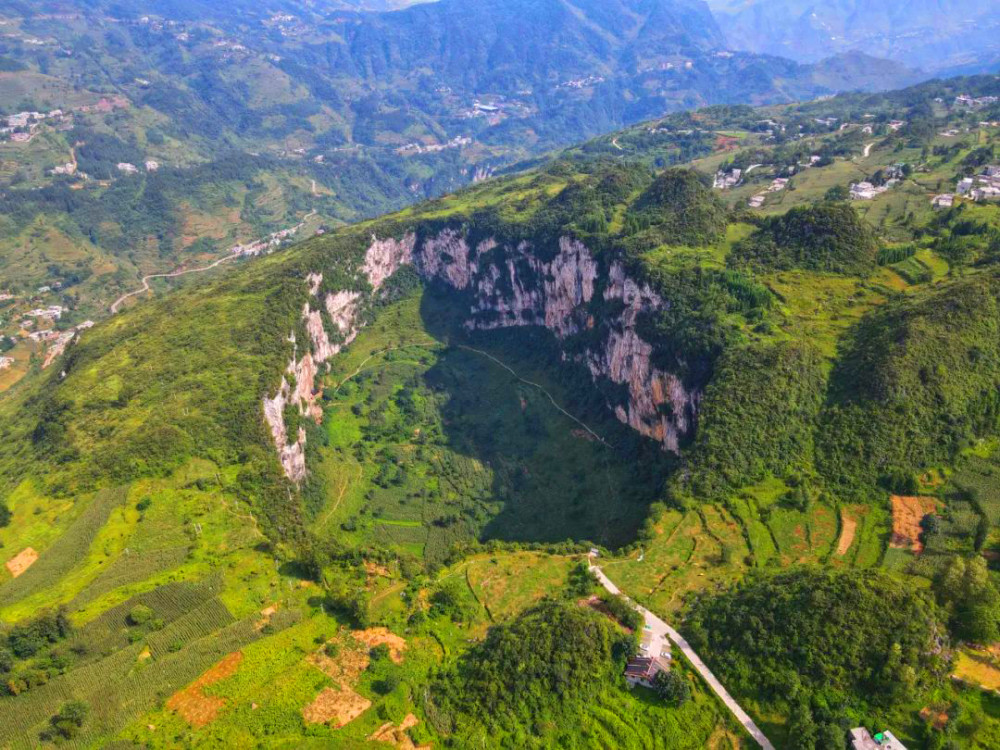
980,668
907,513
377,636
335,707
196,708
22,561
847,528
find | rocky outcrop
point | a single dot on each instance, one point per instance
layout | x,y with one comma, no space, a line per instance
343,308
515,286
505,286
385,257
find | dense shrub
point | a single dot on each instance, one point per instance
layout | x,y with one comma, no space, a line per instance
758,416
678,209
824,237
551,656
847,641
917,381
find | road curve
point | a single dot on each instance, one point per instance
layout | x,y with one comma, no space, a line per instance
145,280
657,625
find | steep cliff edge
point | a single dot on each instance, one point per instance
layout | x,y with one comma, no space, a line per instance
592,308
343,308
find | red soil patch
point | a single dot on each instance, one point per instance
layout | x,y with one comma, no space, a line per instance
726,143
377,636
907,513
196,708
21,561
397,736
265,616
939,718
335,707
341,705
848,527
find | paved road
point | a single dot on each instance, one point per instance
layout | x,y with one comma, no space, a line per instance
660,628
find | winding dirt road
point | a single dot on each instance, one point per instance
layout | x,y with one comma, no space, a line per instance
145,280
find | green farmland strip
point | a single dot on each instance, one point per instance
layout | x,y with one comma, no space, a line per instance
130,569
67,551
121,687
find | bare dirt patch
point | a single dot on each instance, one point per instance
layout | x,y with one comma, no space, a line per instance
21,561
938,717
377,636
335,707
397,736
196,708
344,667
344,663
847,528
265,616
907,513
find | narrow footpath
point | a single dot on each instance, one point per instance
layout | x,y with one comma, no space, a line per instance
661,629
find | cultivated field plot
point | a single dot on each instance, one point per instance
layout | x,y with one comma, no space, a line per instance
193,705
507,584
907,513
867,528
56,561
691,551
979,667
980,477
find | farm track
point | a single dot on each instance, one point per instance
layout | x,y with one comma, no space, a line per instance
540,388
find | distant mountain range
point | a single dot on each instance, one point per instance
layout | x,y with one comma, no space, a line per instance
258,115
512,75
934,35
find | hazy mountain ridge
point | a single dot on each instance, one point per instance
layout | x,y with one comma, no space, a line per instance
929,34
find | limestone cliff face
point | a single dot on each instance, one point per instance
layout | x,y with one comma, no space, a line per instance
505,286
342,307
516,286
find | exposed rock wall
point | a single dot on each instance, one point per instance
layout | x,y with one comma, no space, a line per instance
505,286
343,308
514,286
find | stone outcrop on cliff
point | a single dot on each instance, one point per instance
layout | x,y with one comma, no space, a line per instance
343,309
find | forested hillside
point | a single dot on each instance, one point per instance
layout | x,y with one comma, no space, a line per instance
144,139
343,491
